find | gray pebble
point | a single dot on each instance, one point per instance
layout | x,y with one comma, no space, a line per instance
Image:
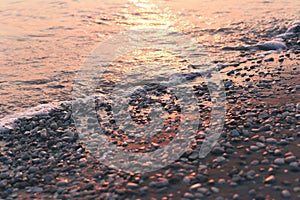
4,130
202,190
294,164
254,162
252,192
234,133
279,161
285,194
254,148
219,159
33,169
251,174
271,141
215,189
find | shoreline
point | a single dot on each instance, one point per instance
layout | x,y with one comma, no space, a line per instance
257,154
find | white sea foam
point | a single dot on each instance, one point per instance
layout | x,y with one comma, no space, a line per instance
43,109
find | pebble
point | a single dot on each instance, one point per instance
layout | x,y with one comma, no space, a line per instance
131,185
254,148
218,150
285,194
215,189
271,141
202,190
236,197
4,130
43,134
219,159
195,186
254,162
294,164
162,182
251,174
296,189
252,192
33,169
188,195
277,152
290,159
194,155
270,179
279,161
234,133
61,183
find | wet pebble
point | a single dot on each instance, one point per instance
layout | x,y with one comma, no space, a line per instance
285,194
270,179
279,161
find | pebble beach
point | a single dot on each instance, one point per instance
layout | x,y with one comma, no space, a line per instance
256,156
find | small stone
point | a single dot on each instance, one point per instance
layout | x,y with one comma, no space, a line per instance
270,179
88,186
202,190
290,159
279,161
53,126
33,169
250,174
254,162
188,195
296,189
297,107
271,141
131,185
4,175
4,130
271,59
194,155
219,159
285,194
260,144
37,190
61,183
277,152
283,142
43,134
215,189
254,148
252,192
234,133
294,164
195,186
162,182
236,197
3,183
265,161
221,181
217,150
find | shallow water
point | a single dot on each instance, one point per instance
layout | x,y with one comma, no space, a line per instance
44,43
